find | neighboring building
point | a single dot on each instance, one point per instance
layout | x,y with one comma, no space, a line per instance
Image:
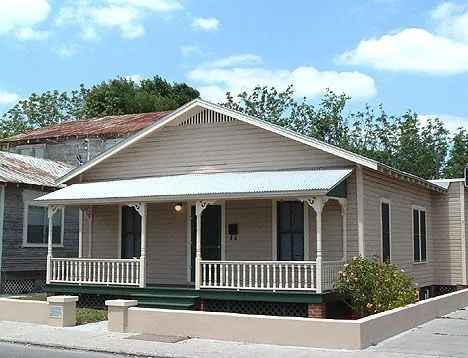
245,216
26,175
23,222
76,142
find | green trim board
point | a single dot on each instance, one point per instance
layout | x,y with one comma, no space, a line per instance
190,292
340,190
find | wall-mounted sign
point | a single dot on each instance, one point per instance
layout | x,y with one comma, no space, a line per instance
55,311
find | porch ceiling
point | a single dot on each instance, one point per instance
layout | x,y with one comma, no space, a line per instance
197,186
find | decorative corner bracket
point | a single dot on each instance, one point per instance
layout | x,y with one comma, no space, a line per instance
201,205
316,202
140,207
52,209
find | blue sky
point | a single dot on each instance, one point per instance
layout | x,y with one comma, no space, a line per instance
404,54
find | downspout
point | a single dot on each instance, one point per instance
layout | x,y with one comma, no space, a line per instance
2,214
463,232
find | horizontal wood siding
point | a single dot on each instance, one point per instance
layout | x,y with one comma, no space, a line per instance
15,257
166,244
105,240
447,238
466,227
402,196
332,232
253,218
213,147
352,217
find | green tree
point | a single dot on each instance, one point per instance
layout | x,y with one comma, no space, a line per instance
113,97
458,157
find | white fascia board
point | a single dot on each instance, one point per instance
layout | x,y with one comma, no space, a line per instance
170,198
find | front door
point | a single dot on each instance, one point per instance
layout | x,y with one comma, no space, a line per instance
131,233
210,235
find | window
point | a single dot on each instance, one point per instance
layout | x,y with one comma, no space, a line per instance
37,151
419,234
385,222
36,226
290,230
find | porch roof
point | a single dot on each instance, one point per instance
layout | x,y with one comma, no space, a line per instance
198,186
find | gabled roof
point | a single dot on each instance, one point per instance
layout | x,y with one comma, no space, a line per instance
109,126
226,185
199,104
24,169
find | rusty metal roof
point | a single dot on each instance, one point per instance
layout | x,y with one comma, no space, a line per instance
24,169
109,125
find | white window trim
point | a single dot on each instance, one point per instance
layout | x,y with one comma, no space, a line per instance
384,200
420,208
27,204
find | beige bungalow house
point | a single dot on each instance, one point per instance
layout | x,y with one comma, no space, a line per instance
212,209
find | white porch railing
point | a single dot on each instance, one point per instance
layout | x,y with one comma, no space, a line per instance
330,272
268,275
96,271
259,275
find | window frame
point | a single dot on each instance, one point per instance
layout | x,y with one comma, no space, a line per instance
420,209
32,149
27,204
384,200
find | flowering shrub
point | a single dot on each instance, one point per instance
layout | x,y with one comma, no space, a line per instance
370,286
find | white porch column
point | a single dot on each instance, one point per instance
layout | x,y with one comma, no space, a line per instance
51,210
141,208
199,207
342,202
317,203
80,233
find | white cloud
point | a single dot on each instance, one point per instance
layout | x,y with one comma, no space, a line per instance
452,123
246,60
125,15
17,16
189,50
415,50
220,76
7,98
26,33
206,24
65,50
136,77
443,51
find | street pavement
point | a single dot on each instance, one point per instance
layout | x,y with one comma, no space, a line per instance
446,336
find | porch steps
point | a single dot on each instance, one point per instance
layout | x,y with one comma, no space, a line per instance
176,301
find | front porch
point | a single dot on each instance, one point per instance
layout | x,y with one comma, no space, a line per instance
279,231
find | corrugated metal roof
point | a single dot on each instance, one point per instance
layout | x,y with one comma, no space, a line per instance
24,169
110,125
202,185
445,183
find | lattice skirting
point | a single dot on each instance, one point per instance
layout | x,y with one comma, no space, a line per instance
22,286
257,307
439,290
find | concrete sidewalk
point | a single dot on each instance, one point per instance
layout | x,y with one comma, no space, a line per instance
446,336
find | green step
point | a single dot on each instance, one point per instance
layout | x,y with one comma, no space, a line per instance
167,305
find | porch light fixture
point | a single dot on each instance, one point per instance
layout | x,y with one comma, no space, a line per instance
178,207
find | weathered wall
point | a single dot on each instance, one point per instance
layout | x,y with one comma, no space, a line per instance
15,257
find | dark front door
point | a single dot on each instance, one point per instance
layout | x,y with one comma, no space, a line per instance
290,223
210,235
131,233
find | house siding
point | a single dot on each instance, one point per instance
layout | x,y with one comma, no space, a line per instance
166,244
15,257
254,220
447,237
105,232
402,196
210,147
